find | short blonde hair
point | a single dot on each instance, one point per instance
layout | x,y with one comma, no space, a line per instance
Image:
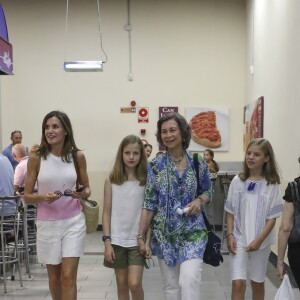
34,148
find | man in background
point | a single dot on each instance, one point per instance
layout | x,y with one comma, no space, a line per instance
7,185
16,138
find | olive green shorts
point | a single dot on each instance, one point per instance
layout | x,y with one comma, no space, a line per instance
125,257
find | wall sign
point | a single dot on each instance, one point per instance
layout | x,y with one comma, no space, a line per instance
127,109
6,56
164,110
143,115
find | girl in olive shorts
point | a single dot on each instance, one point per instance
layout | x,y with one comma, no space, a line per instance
123,202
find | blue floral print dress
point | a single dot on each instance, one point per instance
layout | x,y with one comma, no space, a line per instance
176,238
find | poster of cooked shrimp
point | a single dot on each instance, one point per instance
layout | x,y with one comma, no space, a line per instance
210,127
253,121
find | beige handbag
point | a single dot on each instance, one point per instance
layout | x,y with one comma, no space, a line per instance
90,208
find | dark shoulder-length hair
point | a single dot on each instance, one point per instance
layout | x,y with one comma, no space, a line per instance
69,143
212,154
270,168
118,174
183,125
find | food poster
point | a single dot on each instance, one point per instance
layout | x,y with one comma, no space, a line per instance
210,128
253,121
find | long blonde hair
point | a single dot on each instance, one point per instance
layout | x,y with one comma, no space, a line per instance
270,168
118,174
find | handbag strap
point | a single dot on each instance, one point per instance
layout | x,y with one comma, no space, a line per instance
196,165
75,161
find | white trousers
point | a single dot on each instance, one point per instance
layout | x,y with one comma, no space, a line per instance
182,282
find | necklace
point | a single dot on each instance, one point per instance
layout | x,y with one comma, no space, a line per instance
177,161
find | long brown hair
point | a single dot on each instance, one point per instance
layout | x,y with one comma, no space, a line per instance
270,168
118,174
69,143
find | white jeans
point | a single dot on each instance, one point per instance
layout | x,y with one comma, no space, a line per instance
182,282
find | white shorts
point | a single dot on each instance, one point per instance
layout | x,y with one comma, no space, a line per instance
60,238
255,263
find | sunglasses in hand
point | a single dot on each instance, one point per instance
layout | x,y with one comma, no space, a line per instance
68,192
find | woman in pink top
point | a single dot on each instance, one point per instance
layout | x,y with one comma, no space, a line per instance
60,221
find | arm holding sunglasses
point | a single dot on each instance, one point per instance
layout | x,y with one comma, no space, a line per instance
33,167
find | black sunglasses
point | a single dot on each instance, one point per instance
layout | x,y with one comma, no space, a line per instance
66,193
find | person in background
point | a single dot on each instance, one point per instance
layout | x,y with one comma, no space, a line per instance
60,222
123,202
20,155
213,167
145,142
33,149
148,149
7,185
178,239
252,206
286,226
16,138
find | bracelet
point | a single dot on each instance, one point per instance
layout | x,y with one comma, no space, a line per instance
230,234
202,200
141,237
106,238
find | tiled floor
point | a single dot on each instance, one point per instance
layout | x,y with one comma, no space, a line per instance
98,282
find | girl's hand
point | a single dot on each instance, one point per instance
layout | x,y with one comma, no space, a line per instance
148,252
142,246
231,244
109,253
253,246
51,197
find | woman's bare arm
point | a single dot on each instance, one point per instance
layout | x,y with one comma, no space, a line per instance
84,179
33,167
283,235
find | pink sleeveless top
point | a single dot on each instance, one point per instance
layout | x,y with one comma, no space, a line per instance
56,175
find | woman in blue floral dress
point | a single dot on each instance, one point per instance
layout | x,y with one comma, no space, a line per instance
173,209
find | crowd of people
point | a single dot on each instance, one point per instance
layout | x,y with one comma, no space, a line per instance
151,207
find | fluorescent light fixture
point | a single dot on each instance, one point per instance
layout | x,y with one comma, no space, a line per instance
83,66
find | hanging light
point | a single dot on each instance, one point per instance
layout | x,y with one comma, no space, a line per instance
85,65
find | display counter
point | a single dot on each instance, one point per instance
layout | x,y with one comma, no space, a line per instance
215,210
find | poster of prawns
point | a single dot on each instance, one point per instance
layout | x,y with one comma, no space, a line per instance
210,127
